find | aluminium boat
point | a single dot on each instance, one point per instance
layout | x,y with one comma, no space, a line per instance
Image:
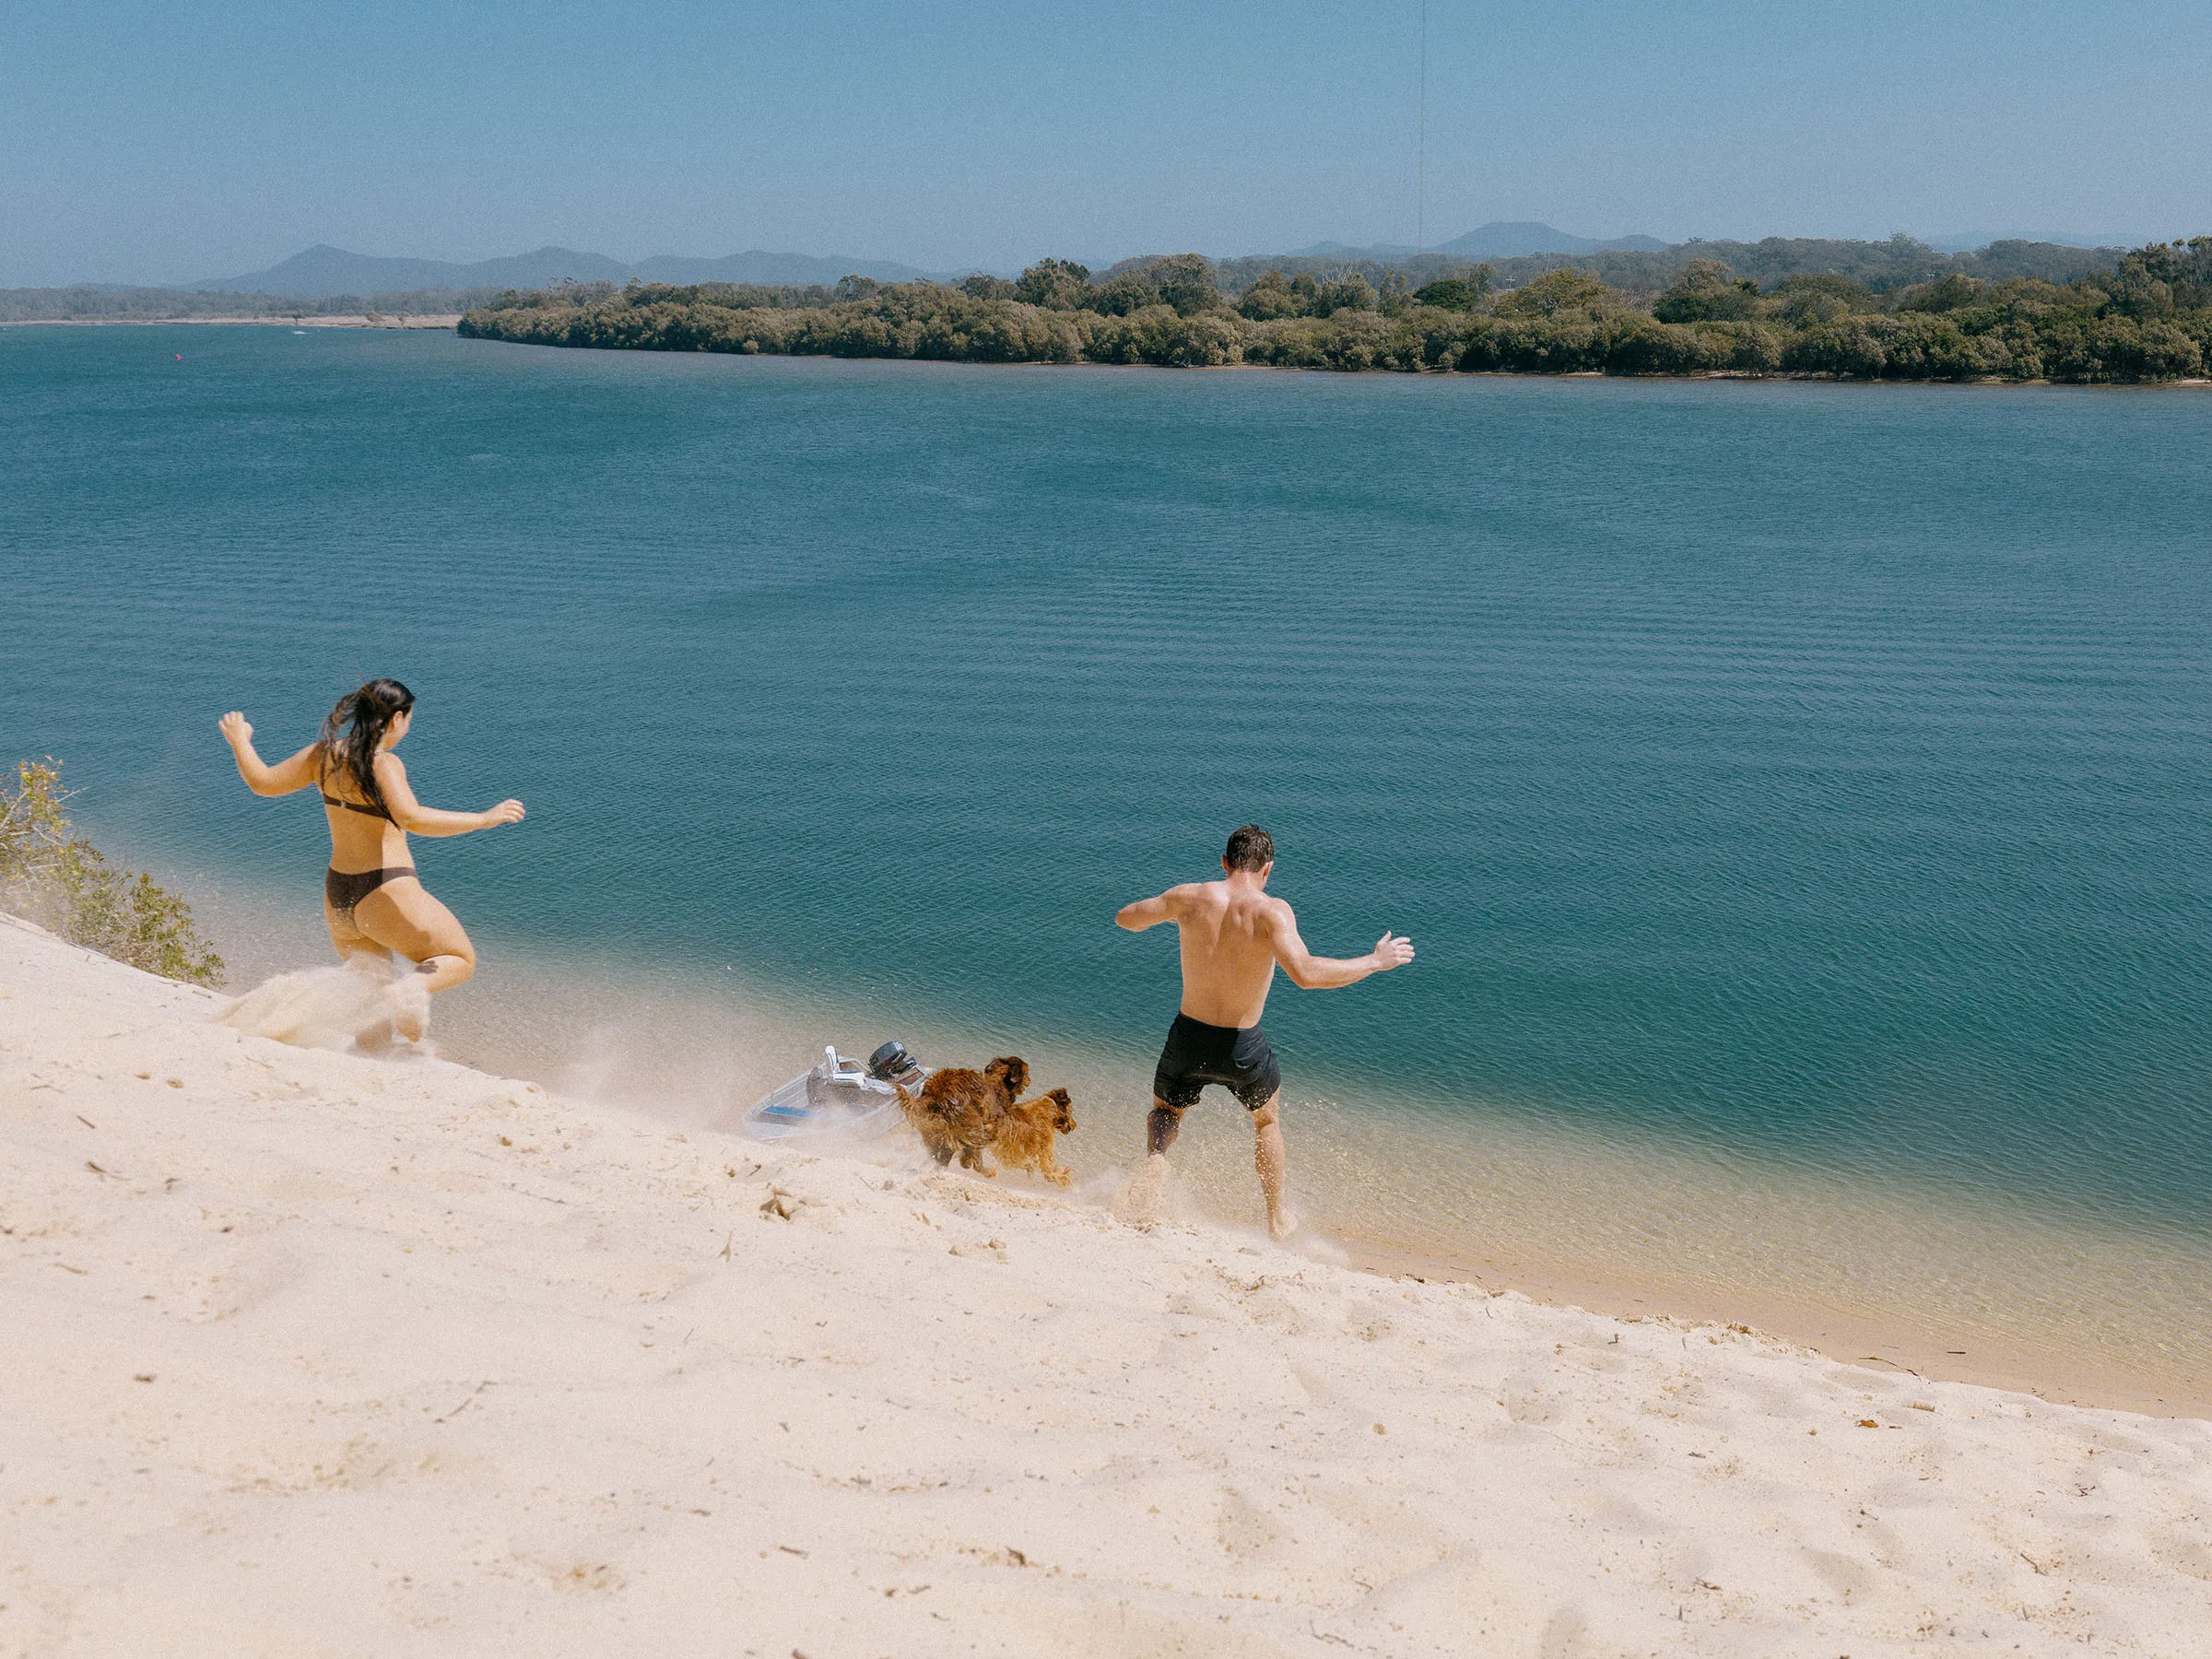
837,1099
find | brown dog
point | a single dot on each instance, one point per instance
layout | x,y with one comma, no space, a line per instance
1024,1140
959,1111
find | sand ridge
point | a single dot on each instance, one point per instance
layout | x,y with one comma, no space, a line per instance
313,1353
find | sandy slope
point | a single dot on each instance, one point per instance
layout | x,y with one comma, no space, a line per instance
311,1354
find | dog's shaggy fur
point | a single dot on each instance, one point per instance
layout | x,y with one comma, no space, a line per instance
1024,1140
958,1111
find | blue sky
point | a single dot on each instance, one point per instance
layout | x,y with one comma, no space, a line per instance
151,142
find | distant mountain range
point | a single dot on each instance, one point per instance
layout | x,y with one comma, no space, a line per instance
323,272
1500,239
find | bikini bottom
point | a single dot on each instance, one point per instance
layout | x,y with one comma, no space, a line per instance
342,890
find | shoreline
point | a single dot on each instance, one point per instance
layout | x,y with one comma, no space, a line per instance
1846,1335
646,1052
1919,1307
1744,376
321,1351
1917,1340
410,321
449,323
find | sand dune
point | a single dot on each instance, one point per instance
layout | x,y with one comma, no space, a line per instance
309,1353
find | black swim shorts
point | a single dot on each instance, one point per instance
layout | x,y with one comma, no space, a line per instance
1197,1054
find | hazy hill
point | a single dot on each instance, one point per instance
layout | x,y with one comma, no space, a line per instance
1336,250
1500,239
323,271
777,269
1960,242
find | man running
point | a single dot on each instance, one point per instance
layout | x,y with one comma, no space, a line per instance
1233,936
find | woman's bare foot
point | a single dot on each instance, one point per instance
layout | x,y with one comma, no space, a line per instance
1282,1223
411,1006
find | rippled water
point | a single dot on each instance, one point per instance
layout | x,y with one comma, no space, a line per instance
1789,788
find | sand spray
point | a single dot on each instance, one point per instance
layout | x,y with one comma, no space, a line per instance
344,1007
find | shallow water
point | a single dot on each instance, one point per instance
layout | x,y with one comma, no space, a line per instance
1793,790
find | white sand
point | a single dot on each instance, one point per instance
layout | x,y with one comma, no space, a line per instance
307,1353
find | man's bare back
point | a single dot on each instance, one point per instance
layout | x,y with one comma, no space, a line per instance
1227,933
1233,936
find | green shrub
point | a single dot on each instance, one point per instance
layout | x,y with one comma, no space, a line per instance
1287,343
1648,346
1437,336
1926,346
1453,293
1352,294
1852,350
1705,291
1540,346
60,880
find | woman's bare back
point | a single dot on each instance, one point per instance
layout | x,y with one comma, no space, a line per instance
361,837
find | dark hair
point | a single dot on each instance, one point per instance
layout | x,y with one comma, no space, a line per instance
353,729
1251,848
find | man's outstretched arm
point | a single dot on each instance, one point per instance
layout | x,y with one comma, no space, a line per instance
1149,913
1309,972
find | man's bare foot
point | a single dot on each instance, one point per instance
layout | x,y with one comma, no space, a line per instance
1283,1223
411,1006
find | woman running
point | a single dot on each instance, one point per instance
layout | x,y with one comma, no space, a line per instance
371,897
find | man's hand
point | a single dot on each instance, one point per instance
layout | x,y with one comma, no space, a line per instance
234,729
1391,952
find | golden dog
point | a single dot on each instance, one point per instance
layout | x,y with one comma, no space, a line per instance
1024,1138
957,1111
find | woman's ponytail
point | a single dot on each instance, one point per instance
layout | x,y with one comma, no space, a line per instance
356,727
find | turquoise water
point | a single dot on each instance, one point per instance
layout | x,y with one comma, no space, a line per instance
1799,772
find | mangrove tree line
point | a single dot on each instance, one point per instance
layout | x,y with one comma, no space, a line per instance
2145,317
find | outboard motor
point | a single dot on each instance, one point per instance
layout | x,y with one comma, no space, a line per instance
892,1064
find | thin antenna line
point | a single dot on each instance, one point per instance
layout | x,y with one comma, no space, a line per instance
1420,166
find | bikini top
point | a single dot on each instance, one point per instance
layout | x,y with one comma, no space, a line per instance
374,812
